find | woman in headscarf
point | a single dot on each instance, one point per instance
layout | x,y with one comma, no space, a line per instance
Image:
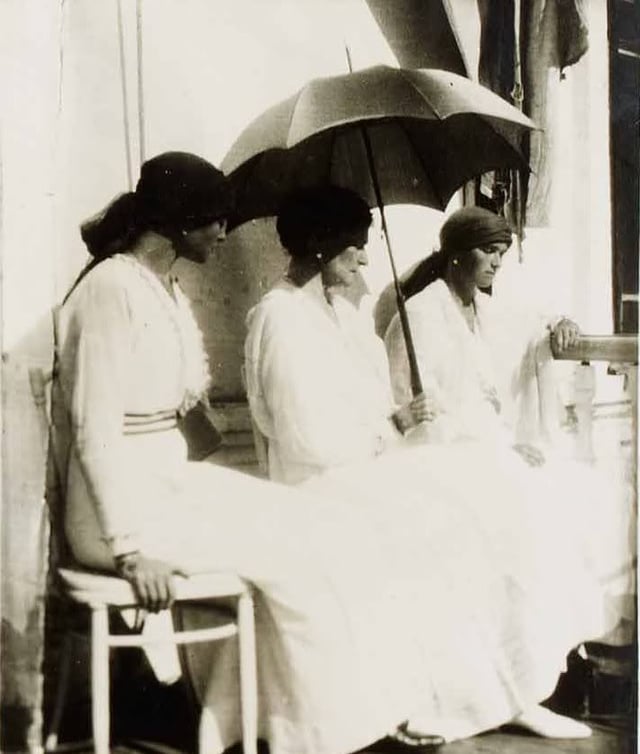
332,674
508,598
489,371
486,367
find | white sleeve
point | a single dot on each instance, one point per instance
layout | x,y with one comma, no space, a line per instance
94,353
434,354
427,331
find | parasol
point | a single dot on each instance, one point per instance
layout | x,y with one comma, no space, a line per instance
393,135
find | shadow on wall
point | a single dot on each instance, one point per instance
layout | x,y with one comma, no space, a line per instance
236,276
24,541
20,669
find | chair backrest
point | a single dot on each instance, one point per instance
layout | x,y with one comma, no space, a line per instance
260,442
41,382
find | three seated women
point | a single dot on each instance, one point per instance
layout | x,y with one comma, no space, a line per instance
394,589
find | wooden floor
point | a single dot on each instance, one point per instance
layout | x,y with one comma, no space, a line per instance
605,740
163,720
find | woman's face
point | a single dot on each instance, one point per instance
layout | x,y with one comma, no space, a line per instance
196,245
480,265
343,268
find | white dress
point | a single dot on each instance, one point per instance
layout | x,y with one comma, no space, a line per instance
495,615
333,672
495,387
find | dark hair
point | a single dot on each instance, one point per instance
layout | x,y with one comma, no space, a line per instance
177,191
320,215
427,271
465,229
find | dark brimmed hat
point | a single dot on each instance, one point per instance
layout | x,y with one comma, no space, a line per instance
325,214
177,191
182,191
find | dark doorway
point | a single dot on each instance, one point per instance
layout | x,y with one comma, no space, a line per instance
624,93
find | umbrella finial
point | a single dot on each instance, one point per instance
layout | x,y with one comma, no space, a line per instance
348,52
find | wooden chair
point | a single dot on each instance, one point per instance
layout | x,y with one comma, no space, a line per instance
104,593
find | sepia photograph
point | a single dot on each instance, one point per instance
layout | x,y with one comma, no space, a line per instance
319,327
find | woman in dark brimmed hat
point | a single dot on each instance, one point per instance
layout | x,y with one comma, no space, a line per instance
124,329
324,230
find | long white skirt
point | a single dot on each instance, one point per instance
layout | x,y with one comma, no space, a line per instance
383,592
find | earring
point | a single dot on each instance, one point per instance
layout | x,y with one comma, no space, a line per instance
455,262
183,233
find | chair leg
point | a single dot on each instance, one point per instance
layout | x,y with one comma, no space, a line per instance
100,679
51,742
248,678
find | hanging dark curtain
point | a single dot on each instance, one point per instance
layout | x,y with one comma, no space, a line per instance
552,34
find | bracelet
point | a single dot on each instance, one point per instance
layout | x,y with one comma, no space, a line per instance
126,563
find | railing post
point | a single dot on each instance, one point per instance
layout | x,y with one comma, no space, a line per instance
630,374
631,389
585,390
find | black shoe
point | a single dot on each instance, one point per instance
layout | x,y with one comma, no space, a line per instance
404,740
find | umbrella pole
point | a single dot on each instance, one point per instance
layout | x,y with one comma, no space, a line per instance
416,381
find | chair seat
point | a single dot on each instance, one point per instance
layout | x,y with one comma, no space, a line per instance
95,589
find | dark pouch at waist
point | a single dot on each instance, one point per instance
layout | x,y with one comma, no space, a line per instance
201,436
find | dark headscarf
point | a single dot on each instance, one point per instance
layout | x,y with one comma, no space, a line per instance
327,215
471,228
177,191
466,229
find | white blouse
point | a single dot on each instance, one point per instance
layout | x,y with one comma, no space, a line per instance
318,388
128,351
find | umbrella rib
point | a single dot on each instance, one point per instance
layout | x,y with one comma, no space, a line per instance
420,94
291,117
334,137
412,142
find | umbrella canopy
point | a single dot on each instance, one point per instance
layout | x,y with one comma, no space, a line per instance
429,132
395,136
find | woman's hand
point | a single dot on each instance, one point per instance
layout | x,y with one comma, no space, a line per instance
565,334
532,455
152,580
419,409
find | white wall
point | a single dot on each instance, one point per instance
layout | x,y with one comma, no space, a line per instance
30,74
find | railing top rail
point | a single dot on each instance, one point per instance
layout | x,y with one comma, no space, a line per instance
615,348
